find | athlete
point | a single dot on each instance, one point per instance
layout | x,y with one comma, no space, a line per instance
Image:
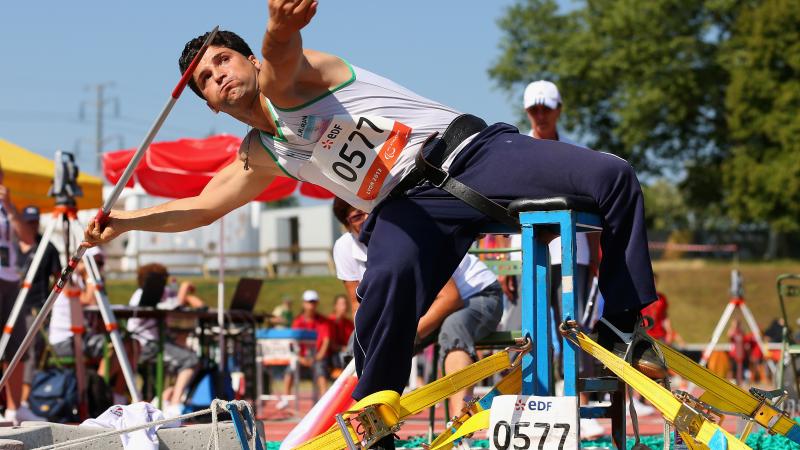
318,118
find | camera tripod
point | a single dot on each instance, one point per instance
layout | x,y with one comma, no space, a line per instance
64,190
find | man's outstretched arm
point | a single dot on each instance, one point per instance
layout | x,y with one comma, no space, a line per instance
229,189
290,75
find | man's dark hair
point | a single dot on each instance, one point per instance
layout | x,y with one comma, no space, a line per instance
341,209
227,39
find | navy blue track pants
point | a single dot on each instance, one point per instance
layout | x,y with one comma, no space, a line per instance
416,241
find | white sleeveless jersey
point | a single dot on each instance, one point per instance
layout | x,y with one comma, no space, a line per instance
358,140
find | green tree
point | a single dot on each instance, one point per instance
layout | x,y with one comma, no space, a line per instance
762,175
706,89
665,207
639,79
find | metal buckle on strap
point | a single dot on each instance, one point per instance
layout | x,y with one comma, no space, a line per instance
523,345
371,427
768,402
698,406
444,180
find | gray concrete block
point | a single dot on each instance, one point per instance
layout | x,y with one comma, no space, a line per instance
11,444
196,436
31,435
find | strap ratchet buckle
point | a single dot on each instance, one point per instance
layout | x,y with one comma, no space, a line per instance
369,425
768,402
697,408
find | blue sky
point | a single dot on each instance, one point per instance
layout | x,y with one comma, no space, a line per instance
54,51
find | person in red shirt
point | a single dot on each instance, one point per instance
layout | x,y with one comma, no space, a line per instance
341,328
754,359
340,323
658,312
319,363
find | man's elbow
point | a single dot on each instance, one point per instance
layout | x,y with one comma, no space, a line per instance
207,216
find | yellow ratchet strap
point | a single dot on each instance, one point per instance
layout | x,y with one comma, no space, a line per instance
510,384
479,421
728,397
689,422
420,398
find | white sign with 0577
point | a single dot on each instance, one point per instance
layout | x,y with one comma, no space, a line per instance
522,422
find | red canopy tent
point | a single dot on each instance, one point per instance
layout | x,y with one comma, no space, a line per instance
182,168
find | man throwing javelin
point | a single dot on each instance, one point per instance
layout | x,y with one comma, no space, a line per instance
317,118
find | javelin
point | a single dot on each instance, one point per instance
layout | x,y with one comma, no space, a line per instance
102,215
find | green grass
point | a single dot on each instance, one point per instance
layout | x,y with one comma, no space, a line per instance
273,290
698,292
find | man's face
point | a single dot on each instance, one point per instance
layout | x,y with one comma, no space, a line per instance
34,224
227,79
543,121
310,307
340,307
355,219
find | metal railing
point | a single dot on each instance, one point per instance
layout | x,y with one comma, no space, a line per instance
293,260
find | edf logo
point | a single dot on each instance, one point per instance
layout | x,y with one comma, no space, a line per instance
539,405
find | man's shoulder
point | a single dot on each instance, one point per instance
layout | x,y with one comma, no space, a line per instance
346,240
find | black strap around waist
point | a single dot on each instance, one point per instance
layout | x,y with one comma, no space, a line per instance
459,129
461,191
428,168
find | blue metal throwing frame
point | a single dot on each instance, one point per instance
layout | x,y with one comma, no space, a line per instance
537,323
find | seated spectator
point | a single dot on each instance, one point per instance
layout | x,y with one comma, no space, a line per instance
774,331
319,364
468,308
60,334
282,315
341,327
178,360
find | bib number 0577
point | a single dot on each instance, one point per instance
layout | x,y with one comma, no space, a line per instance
354,158
359,152
517,436
527,422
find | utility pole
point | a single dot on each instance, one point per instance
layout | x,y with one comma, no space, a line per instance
100,103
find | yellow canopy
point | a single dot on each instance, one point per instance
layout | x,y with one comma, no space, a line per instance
28,177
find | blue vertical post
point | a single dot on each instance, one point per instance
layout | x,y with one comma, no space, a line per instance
543,340
537,369
528,262
568,283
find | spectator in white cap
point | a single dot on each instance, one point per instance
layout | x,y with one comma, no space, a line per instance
543,106
320,362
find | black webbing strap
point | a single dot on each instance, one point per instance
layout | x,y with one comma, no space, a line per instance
461,191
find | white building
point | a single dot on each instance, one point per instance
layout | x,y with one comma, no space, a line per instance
299,240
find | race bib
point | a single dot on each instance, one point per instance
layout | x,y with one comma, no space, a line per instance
524,422
358,152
